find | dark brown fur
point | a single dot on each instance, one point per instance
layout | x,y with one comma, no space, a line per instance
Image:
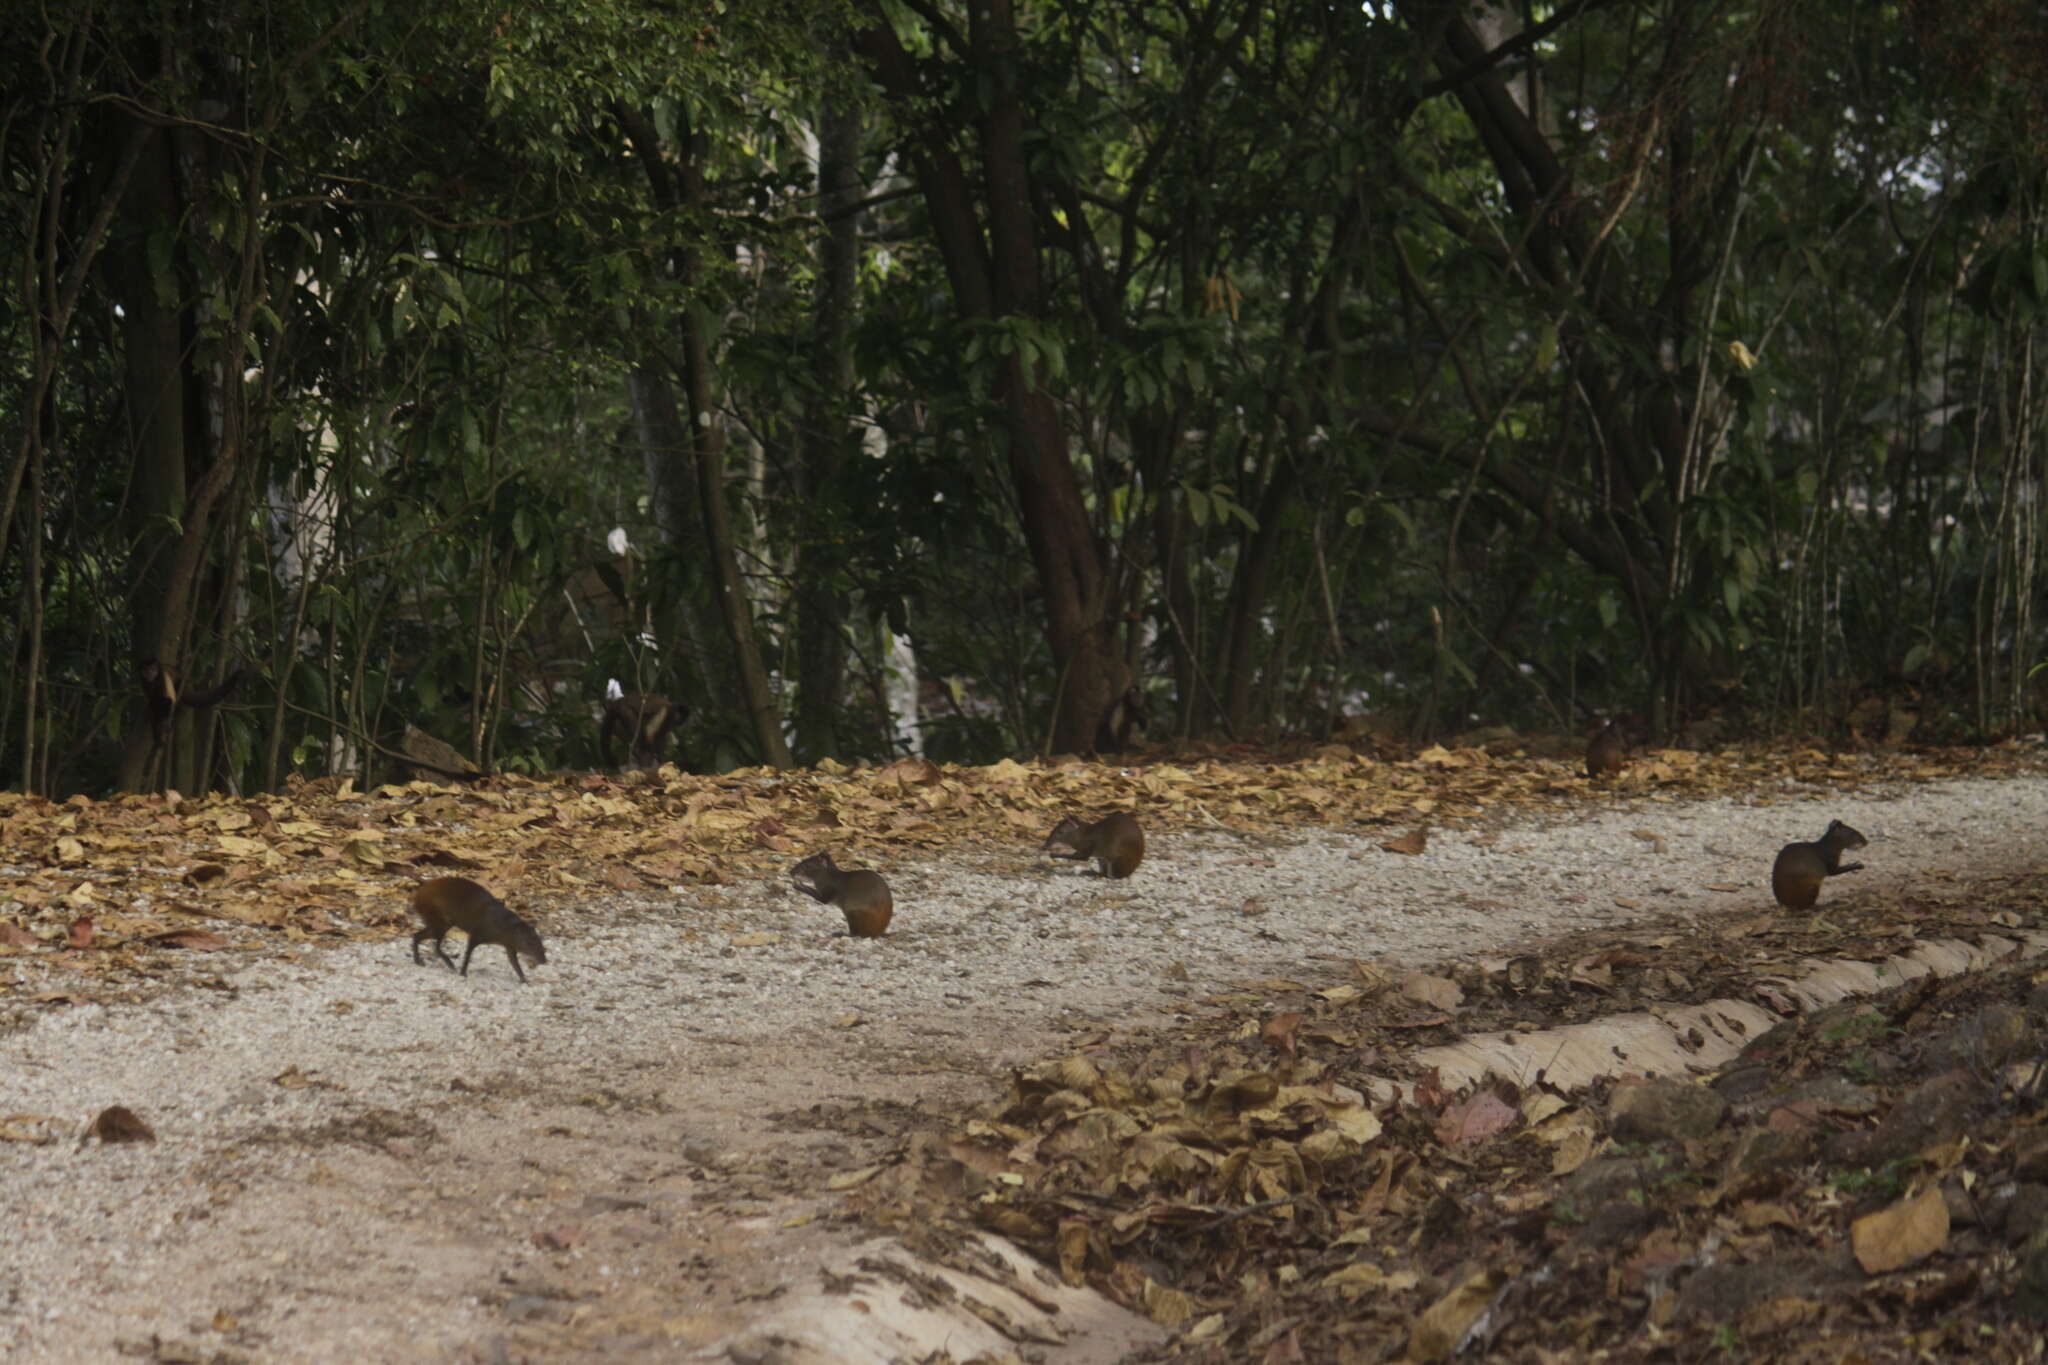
1799,870
1115,842
861,895
458,903
1606,752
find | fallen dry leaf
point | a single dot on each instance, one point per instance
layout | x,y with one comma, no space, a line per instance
1441,1326
1280,1031
80,935
1479,1117
1439,991
1908,1232
1413,842
198,940
32,1128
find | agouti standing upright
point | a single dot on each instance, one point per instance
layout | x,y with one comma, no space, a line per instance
1115,843
861,895
458,903
1801,868
1606,752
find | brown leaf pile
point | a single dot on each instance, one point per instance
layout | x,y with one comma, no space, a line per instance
1868,1183
103,887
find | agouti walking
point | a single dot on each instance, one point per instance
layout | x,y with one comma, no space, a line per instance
1606,752
1801,868
458,903
1115,843
861,895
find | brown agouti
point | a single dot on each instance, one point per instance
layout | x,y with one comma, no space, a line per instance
1801,868
1606,752
861,895
458,903
1115,843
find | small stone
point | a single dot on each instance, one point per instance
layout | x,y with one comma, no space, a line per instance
2030,1154
1615,1225
1721,1292
1938,1110
1741,1084
1995,1035
1770,1149
2030,1296
1607,1178
119,1123
1835,1095
2026,1212
1664,1110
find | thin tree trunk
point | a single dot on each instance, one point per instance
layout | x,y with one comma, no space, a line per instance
996,277
827,435
707,447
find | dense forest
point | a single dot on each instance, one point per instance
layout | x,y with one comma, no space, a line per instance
1009,376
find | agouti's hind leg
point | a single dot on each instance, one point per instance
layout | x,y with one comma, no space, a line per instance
440,948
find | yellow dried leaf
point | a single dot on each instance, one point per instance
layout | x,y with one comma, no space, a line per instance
1356,1280
1441,1326
1908,1232
1436,991
1168,1307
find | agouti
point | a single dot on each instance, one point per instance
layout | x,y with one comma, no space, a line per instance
861,895
1606,752
458,903
1801,868
1115,843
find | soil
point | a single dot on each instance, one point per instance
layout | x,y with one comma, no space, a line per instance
643,1153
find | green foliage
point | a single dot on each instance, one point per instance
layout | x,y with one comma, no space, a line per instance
1743,411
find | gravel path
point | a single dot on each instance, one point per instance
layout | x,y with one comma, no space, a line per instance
361,1159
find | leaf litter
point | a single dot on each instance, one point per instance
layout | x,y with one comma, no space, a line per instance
1865,1182
1245,1183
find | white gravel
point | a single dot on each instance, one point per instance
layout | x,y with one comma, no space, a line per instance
355,1154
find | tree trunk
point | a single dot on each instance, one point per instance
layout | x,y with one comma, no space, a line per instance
827,436
153,360
993,278
679,184
707,446
672,493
